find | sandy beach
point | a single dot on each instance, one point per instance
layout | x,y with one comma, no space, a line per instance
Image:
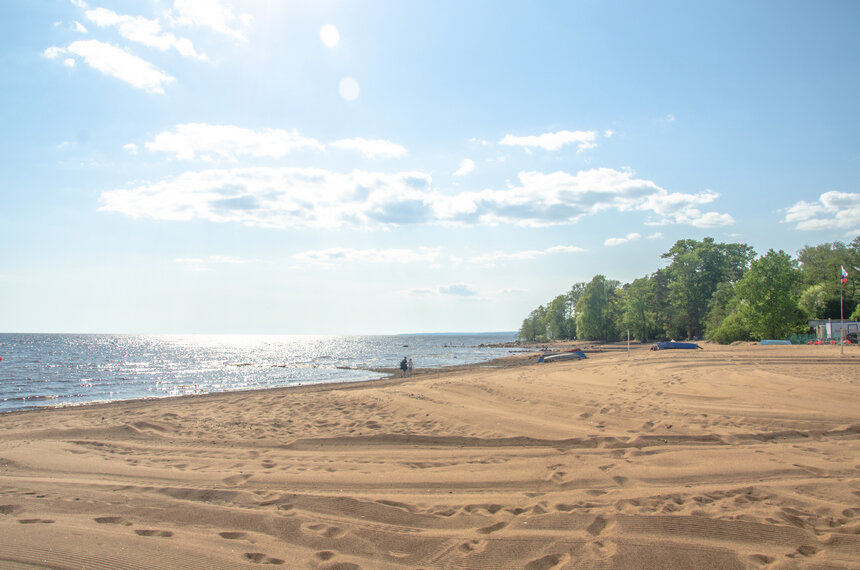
728,457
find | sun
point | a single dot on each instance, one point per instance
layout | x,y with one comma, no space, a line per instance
329,36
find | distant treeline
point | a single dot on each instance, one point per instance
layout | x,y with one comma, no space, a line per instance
718,291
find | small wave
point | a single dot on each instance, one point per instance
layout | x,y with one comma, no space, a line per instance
28,398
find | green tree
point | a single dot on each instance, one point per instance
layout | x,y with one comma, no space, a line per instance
559,318
769,292
694,273
816,300
666,323
596,309
733,327
534,325
722,304
638,308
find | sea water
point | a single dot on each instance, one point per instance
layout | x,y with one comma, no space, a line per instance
65,369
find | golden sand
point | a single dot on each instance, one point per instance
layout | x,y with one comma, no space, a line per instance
729,457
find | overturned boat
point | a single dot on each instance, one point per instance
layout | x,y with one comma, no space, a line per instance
574,354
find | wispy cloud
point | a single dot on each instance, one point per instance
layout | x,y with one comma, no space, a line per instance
622,240
458,290
495,257
467,165
375,148
306,197
115,62
199,140
832,211
144,31
210,14
553,141
349,255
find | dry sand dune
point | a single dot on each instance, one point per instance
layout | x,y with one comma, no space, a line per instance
731,457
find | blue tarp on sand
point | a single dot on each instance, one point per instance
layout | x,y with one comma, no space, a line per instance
673,344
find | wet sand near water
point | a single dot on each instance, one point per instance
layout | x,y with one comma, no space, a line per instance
728,457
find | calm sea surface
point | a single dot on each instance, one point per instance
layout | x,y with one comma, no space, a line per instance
63,369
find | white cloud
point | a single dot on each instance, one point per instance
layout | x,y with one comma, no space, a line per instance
130,148
680,208
142,30
371,148
458,290
609,133
78,27
210,14
467,165
297,197
78,3
199,140
561,198
655,235
501,256
553,141
69,62
832,211
350,255
622,240
280,197
329,36
115,62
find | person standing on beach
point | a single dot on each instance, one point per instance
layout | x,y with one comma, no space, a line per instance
410,366
403,367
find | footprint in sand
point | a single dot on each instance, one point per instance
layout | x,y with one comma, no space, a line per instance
325,530
112,520
472,546
236,479
35,521
599,524
493,528
260,558
548,562
762,559
8,509
150,532
603,549
557,477
230,535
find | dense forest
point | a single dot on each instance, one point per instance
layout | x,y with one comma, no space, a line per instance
718,291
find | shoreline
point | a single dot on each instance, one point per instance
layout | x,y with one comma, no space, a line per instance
728,457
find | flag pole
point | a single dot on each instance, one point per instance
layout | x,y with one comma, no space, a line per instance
841,315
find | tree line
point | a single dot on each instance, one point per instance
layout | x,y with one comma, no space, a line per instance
718,291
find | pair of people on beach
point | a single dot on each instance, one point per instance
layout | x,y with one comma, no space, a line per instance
406,366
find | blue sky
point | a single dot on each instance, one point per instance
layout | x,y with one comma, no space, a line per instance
228,166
